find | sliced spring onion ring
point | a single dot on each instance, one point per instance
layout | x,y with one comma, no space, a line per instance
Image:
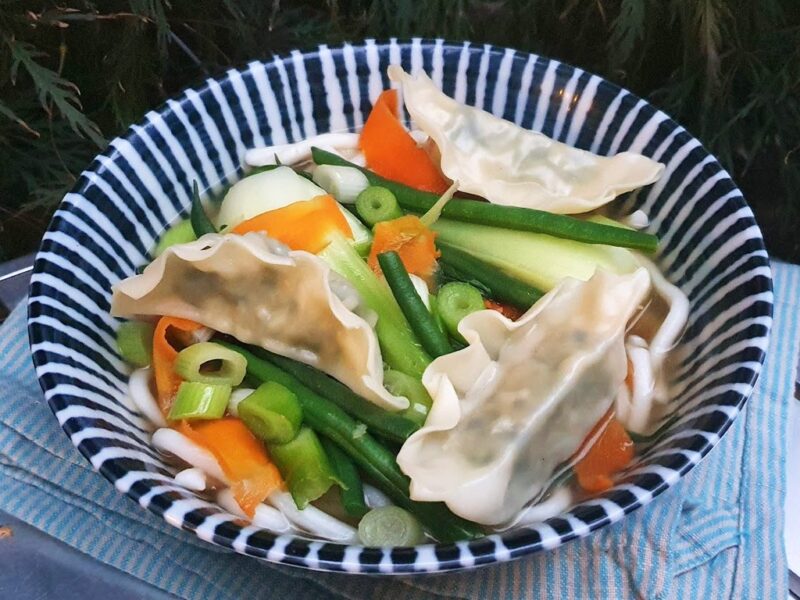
455,301
272,413
135,342
180,233
376,204
305,467
196,400
390,526
193,364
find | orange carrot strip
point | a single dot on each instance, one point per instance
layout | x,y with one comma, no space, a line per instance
164,355
409,237
512,312
250,472
391,151
304,225
612,452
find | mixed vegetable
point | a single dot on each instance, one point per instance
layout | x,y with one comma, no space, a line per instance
356,346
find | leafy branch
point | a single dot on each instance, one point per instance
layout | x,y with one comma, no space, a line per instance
729,70
52,90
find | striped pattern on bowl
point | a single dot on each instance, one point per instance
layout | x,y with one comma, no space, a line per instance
711,248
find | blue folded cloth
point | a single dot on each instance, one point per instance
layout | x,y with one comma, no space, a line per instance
718,533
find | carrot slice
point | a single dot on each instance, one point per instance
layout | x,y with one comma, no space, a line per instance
164,355
411,239
250,472
512,312
304,225
391,151
612,452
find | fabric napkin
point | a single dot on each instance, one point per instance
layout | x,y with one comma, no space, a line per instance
717,534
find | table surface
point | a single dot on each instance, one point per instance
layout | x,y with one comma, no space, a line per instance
28,551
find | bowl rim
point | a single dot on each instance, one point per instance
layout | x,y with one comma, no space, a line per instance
355,558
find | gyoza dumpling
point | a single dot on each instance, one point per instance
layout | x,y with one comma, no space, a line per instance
518,401
506,164
258,291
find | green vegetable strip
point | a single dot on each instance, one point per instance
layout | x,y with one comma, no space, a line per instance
537,259
272,413
507,217
501,287
200,401
181,233
350,482
305,467
456,300
373,458
390,526
401,384
399,346
195,362
376,204
390,425
135,342
418,315
201,224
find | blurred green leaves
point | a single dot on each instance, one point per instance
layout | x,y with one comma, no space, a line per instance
76,72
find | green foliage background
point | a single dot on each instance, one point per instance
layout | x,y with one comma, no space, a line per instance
75,73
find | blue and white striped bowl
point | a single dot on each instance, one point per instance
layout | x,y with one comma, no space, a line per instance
711,248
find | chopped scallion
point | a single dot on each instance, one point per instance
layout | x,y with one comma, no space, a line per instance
272,413
455,301
196,400
207,362
390,526
135,342
305,467
376,204
180,233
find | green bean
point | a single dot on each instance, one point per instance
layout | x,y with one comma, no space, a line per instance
351,487
508,217
373,458
502,287
201,224
390,425
419,317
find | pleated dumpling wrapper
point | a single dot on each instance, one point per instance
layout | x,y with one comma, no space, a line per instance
506,164
517,402
262,293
